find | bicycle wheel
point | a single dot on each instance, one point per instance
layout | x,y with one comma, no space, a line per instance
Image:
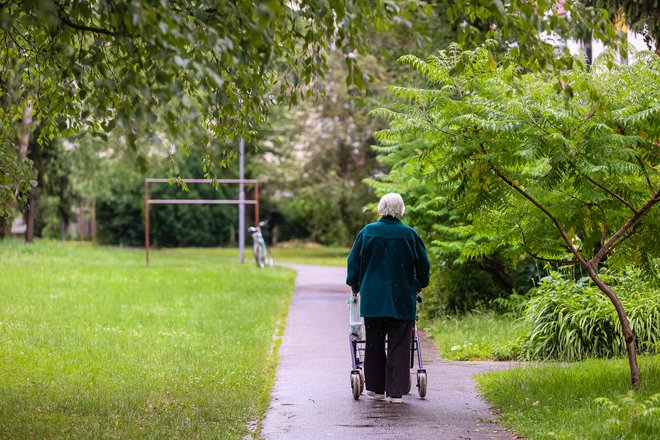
269,258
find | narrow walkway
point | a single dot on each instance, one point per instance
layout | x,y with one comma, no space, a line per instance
312,396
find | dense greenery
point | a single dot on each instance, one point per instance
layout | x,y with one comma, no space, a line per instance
568,320
587,400
182,72
190,76
95,345
560,167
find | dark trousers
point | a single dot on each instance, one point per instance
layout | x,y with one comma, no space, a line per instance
387,373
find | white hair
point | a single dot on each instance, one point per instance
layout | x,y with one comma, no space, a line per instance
391,204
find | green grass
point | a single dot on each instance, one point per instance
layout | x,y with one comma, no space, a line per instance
475,336
559,401
323,256
96,345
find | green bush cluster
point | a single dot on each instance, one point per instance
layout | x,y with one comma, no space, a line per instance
630,417
572,320
497,285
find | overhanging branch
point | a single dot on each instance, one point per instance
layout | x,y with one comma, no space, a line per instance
615,240
612,193
543,209
646,175
536,256
82,27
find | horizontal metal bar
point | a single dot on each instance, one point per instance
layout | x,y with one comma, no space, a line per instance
152,180
199,202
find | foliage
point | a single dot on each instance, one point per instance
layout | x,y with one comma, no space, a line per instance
641,15
317,156
574,143
183,72
558,401
568,320
631,416
120,209
561,166
534,28
95,346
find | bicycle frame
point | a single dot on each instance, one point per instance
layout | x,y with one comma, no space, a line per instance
260,250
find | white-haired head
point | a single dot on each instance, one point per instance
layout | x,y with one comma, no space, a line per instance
391,204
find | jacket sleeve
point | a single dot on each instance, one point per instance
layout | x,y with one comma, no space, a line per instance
423,268
353,264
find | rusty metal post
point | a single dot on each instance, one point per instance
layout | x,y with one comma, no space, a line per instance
94,221
256,203
146,221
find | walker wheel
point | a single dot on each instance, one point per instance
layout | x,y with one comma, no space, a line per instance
361,380
409,384
356,385
421,384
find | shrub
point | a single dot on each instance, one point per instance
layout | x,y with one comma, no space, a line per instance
631,417
572,320
491,283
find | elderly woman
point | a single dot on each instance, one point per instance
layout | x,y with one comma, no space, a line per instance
388,266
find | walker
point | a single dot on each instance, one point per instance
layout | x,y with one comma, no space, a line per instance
356,341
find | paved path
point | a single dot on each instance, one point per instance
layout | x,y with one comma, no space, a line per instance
312,396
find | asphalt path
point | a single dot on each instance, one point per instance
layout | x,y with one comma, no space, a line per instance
312,396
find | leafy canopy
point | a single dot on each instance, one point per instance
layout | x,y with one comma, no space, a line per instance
186,72
525,155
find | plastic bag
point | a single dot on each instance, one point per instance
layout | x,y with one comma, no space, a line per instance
355,321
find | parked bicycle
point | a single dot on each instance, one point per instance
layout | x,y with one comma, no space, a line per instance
262,254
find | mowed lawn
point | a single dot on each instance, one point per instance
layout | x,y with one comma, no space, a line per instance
96,345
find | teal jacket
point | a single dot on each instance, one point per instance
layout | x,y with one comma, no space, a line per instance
388,265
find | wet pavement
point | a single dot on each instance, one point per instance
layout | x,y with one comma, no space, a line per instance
312,396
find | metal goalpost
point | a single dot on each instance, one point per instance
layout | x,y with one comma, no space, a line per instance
241,201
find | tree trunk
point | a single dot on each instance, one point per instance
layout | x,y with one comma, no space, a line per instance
497,271
625,325
31,216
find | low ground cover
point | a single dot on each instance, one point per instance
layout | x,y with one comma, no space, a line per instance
96,345
324,256
475,336
591,399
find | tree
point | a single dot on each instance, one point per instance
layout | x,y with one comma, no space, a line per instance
564,166
188,72
642,15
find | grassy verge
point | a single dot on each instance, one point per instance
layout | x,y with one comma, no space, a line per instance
323,256
559,401
96,345
475,336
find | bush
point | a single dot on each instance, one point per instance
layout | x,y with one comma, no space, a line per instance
569,320
491,283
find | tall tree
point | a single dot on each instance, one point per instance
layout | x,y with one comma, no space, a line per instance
642,15
564,168
189,71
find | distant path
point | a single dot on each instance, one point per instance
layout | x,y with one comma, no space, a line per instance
312,396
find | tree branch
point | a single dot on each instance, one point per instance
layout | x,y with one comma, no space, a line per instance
602,212
612,193
543,209
536,124
646,175
536,256
81,27
614,240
